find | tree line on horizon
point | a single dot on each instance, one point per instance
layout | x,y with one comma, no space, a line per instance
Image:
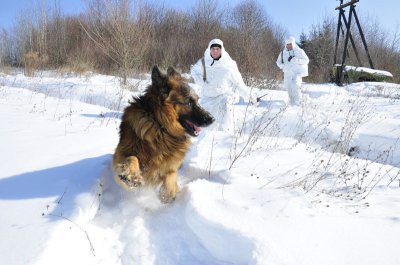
127,37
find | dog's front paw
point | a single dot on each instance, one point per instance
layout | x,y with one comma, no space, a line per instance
128,178
130,182
167,195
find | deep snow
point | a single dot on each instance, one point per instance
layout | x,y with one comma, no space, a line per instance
316,184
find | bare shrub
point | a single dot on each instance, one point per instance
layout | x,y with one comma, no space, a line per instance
6,48
249,32
31,62
79,66
319,46
123,34
346,177
171,46
338,169
252,132
206,24
356,115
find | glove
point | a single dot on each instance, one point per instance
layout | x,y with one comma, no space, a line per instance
290,58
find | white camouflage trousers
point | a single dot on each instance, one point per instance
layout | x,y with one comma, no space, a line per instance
292,83
221,107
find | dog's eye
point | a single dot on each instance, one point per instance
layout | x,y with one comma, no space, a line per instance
188,104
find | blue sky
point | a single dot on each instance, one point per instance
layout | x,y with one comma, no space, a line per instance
294,15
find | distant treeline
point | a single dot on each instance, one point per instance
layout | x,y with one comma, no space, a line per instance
127,37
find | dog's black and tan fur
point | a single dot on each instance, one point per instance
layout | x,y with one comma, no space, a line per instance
155,134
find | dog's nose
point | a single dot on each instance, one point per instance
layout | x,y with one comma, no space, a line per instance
210,119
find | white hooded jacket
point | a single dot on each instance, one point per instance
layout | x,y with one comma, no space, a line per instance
222,76
298,65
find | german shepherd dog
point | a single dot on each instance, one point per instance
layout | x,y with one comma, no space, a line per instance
155,134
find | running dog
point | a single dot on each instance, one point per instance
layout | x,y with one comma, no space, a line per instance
155,134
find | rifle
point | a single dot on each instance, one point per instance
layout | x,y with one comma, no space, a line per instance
260,97
203,62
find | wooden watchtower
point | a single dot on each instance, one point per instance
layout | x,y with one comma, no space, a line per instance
343,26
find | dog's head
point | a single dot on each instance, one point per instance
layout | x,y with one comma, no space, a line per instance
178,97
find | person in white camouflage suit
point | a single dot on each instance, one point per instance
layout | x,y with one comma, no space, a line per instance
220,84
293,61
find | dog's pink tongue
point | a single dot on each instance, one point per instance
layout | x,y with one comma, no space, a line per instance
196,129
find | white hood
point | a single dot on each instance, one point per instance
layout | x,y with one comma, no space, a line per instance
222,76
299,63
216,41
225,57
291,40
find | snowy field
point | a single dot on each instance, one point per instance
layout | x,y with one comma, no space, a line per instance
310,185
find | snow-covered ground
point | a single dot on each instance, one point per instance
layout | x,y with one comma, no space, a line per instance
316,184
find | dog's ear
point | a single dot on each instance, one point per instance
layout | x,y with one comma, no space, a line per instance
156,76
159,82
172,73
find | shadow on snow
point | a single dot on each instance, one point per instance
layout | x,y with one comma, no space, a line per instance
65,182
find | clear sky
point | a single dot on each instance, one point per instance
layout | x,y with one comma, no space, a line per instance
294,15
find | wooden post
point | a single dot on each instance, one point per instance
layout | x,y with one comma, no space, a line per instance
346,41
352,41
339,26
347,4
339,69
362,37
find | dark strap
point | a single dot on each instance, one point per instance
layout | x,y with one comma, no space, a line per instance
282,57
204,69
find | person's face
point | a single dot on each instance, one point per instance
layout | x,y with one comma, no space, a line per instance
289,46
215,52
